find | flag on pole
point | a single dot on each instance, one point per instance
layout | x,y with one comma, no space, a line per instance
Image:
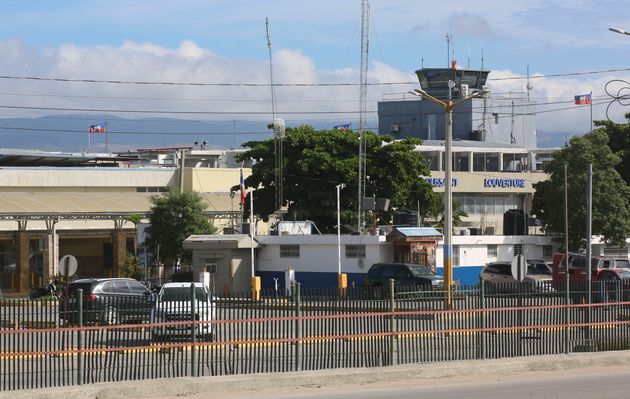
583,99
100,128
243,193
347,126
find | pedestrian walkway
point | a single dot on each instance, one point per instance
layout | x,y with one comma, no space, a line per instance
200,387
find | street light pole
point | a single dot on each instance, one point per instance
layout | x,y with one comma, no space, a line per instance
448,205
620,31
339,187
448,186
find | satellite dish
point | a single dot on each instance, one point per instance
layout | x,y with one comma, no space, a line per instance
451,84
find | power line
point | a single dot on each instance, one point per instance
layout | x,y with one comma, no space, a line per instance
244,84
136,111
132,133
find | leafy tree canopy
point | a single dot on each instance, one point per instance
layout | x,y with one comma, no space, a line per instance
619,143
316,161
611,194
175,216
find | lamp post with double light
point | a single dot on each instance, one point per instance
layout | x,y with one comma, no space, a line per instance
620,31
448,107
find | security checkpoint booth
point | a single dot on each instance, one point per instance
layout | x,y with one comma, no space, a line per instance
415,245
227,258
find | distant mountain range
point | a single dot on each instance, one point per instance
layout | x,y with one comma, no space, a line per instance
69,133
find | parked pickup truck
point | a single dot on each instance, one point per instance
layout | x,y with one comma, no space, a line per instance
173,304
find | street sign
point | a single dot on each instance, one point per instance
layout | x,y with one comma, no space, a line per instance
68,265
519,267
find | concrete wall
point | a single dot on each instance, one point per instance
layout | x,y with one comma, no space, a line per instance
207,180
317,265
412,118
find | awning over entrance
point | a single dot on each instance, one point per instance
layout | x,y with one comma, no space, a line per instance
228,241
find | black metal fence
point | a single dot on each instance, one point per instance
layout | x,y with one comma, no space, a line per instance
87,339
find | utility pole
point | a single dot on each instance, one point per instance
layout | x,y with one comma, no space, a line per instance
365,49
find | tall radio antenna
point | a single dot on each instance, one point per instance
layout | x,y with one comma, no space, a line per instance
278,128
365,48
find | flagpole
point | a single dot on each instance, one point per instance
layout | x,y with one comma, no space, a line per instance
591,111
106,137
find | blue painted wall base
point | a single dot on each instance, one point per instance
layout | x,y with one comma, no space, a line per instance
466,275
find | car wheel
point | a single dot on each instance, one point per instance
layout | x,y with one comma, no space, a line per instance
110,316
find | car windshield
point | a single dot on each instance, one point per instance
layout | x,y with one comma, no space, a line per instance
538,268
532,270
173,294
622,264
421,271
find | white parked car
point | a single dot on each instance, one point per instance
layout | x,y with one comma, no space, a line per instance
173,304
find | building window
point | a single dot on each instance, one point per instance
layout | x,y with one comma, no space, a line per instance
355,251
455,255
289,251
493,251
547,251
518,249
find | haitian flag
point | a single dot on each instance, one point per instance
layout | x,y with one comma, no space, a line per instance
347,126
583,99
100,128
243,193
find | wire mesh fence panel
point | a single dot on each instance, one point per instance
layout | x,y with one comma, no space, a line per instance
92,339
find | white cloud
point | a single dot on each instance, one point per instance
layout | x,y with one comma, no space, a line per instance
189,62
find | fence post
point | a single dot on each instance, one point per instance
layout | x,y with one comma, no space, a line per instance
392,323
566,315
193,332
79,336
481,321
298,327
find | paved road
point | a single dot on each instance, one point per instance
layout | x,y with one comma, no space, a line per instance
598,383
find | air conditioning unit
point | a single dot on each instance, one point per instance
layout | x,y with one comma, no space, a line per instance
394,128
464,90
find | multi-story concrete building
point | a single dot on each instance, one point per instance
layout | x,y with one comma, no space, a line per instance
53,204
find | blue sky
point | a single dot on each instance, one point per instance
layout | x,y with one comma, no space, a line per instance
313,42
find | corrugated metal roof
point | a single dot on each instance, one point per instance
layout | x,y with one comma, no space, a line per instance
419,231
96,202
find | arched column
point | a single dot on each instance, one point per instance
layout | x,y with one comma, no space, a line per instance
22,257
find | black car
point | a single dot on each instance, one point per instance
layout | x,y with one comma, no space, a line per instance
107,301
405,274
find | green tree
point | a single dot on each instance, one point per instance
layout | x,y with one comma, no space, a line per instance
135,219
611,215
619,143
314,162
131,267
175,216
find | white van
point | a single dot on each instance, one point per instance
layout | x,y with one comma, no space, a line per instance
173,304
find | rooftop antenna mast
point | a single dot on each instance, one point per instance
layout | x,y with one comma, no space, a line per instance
365,48
529,86
279,130
449,37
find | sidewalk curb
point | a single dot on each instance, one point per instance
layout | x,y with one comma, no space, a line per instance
184,386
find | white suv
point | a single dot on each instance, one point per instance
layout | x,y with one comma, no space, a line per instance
173,304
